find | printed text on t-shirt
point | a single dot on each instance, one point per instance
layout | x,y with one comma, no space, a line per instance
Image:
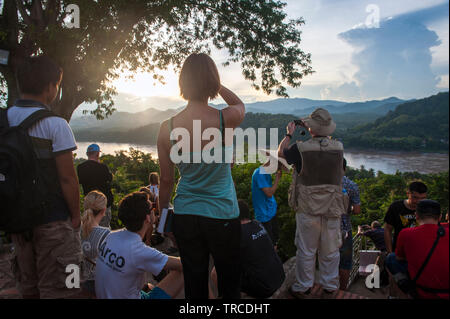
110,258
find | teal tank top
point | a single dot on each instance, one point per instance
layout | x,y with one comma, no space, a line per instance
206,189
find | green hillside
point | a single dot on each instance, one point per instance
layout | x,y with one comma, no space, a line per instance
421,125
146,135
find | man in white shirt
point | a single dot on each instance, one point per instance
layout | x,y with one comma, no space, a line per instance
123,258
43,253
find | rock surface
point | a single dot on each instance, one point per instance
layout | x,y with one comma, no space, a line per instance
357,289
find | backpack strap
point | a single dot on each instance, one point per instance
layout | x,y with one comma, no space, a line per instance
440,233
33,118
222,127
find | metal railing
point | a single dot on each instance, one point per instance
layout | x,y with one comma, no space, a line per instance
357,245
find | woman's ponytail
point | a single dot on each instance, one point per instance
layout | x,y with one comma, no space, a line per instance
87,220
94,203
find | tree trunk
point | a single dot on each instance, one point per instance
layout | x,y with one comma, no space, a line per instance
69,101
13,92
65,107
17,52
9,43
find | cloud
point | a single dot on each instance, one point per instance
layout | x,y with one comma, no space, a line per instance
349,91
443,82
394,59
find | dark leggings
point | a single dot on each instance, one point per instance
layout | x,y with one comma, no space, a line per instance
197,237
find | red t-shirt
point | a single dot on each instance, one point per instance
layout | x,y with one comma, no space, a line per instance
414,244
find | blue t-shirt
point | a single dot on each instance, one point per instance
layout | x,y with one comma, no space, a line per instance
265,207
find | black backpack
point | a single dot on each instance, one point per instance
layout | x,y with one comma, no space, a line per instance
24,195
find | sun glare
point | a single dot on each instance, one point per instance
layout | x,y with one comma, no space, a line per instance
143,85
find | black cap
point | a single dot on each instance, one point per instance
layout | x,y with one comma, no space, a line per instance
428,207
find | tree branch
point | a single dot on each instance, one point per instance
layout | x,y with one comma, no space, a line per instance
52,10
10,23
37,14
23,13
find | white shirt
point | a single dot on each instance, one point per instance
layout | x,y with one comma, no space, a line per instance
52,128
154,189
122,261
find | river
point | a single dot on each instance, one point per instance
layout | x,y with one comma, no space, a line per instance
387,162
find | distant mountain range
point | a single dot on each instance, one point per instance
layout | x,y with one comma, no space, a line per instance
296,106
121,120
403,125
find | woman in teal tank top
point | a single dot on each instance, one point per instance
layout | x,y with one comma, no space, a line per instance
205,205
206,189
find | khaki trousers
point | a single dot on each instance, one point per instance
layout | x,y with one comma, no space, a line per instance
40,262
321,236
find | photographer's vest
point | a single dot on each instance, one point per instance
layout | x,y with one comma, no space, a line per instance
317,189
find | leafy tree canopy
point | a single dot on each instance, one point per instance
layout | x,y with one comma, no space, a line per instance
149,35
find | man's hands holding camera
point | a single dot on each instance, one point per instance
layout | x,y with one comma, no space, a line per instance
290,129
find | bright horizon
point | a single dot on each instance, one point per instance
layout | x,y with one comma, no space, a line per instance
405,56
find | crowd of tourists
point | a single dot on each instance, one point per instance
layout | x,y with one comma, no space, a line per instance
219,248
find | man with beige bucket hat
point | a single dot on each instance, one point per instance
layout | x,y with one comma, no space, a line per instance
318,201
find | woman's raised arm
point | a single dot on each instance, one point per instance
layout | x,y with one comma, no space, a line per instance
166,166
234,114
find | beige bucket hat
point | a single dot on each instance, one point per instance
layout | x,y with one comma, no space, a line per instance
320,122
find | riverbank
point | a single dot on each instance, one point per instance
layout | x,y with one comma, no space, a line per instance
375,150
385,161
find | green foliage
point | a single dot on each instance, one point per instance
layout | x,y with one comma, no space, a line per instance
3,94
130,171
377,191
242,177
149,36
146,135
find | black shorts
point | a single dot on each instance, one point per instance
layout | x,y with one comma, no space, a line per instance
254,288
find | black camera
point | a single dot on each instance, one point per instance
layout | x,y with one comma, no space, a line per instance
299,123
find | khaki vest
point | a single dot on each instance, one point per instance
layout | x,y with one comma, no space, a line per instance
317,189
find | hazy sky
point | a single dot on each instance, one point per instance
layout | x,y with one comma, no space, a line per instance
356,56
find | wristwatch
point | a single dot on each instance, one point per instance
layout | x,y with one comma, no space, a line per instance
290,136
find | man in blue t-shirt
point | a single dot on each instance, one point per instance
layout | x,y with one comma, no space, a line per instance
263,200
